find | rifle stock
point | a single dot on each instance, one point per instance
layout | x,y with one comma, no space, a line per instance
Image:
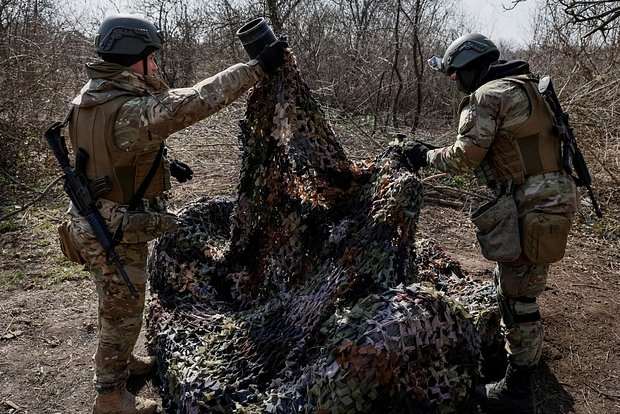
572,158
76,186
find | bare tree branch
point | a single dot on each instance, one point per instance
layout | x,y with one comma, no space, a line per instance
597,14
25,206
512,5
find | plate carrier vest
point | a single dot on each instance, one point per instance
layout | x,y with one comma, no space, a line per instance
525,149
92,129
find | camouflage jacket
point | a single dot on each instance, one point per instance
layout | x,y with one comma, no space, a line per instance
494,106
152,115
158,111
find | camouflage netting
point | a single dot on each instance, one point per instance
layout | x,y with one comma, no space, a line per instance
304,294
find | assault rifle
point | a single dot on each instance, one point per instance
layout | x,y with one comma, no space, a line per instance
572,158
83,195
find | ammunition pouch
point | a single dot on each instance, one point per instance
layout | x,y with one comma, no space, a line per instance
544,237
67,245
141,226
484,175
498,229
99,186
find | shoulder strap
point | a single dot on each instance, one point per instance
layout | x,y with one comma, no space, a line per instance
135,200
68,117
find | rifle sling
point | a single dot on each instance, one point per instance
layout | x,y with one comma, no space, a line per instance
135,200
67,118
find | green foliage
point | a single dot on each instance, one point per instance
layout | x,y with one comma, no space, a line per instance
31,251
40,268
8,226
12,280
63,270
459,181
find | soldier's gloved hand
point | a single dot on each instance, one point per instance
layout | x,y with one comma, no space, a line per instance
272,56
416,156
181,171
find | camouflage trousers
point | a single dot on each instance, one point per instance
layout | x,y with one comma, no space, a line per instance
520,283
518,287
119,314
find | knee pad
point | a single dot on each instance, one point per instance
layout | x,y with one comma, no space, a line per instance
526,310
517,310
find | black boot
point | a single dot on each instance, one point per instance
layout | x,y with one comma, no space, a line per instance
513,394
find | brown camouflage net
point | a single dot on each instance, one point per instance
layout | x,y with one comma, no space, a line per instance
304,293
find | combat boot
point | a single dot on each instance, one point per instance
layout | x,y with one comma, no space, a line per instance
141,365
120,401
513,394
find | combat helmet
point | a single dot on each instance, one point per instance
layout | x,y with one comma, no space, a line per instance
125,34
463,51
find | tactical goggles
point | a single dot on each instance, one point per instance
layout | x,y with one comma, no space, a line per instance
436,63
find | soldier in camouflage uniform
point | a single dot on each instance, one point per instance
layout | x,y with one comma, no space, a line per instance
121,118
505,137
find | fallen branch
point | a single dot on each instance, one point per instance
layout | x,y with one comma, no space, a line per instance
11,404
588,285
442,202
26,206
432,177
16,181
458,192
598,391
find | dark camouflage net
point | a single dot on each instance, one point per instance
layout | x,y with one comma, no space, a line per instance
304,293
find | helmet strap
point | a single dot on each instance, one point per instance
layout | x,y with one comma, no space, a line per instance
145,65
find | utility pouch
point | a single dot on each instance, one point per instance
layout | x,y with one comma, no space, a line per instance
141,226
67,245
498,229
545,236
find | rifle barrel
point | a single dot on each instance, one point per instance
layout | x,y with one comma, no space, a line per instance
121,269
572,158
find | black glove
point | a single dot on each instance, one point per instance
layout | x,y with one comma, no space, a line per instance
181,171
416,156
272,56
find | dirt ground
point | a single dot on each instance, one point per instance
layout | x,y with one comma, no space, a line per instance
48,325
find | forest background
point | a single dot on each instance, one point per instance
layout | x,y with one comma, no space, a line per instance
365,61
